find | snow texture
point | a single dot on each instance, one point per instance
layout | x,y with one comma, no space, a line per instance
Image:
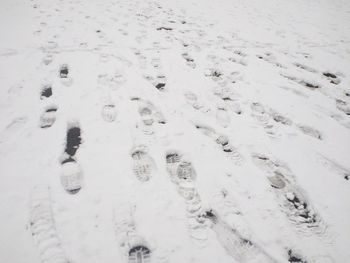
168,131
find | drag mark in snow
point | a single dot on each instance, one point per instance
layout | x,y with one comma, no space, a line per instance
43,229
308,84
73,140
237,246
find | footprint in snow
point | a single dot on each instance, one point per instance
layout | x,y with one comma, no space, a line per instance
331,77
48,117
143,164
109,112
222,116
71,172
133,246
343,106
139,254
189,60
293,202
43,228
46,91
64,75
71,176
223,141
149,112
183,175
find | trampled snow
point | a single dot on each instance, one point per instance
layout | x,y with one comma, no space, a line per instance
175,131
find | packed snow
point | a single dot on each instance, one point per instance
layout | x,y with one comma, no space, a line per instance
170,131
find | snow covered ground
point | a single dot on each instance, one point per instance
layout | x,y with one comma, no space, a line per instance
175,131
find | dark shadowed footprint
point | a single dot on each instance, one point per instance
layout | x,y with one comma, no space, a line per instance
139,254
160,82
64,71
46,91
143,163
332,78
294,257
73,139
301,212
64,74
183,175
48,118
72,175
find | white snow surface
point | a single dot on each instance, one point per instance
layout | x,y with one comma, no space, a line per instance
251,98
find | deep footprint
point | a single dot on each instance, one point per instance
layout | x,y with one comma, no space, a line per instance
139,254
64,70
295,258
73,139
46,92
